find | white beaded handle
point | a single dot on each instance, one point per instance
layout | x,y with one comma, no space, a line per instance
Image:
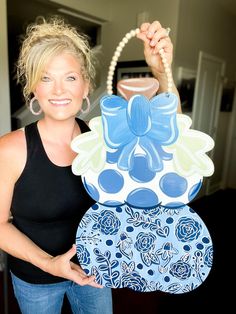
117,53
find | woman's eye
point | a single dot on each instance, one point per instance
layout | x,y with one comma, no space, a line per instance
45,79
71,78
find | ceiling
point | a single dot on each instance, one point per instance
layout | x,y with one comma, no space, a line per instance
21,14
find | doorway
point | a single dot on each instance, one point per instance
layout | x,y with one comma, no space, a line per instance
206,108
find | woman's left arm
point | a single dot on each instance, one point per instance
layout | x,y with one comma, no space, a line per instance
155,37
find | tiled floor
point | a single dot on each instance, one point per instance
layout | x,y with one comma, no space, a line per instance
217,213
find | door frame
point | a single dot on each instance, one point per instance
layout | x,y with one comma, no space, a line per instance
198,109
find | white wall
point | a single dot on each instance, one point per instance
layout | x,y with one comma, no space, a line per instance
5,124
124,18
205,25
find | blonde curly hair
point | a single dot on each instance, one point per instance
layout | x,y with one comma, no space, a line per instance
45,39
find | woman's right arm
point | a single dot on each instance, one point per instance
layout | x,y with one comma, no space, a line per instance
14,242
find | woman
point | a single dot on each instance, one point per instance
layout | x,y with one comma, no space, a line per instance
36,184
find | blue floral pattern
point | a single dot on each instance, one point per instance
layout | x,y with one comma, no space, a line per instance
83,255
171,251
208,256
180,270
106,222
187,229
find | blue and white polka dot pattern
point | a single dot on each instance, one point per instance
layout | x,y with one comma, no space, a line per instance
140,187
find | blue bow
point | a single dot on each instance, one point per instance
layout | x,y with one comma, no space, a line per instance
150,124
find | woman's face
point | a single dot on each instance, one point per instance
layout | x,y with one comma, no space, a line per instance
61,90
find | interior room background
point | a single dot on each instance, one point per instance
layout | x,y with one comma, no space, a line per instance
196,25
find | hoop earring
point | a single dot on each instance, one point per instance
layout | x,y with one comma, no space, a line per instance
36,113
88,106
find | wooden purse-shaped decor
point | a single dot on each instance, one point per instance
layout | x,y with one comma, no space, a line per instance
142,164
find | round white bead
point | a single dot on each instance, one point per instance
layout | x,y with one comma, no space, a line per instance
128,36
112,67
115,57
133,33
119,49
117,54
164,60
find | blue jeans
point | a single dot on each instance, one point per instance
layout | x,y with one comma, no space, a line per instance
48,298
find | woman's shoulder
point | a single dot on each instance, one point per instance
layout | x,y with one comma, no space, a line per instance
12,141
13,148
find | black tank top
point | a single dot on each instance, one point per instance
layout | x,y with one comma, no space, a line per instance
48,204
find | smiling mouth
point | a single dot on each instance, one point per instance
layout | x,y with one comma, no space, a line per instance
60,102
